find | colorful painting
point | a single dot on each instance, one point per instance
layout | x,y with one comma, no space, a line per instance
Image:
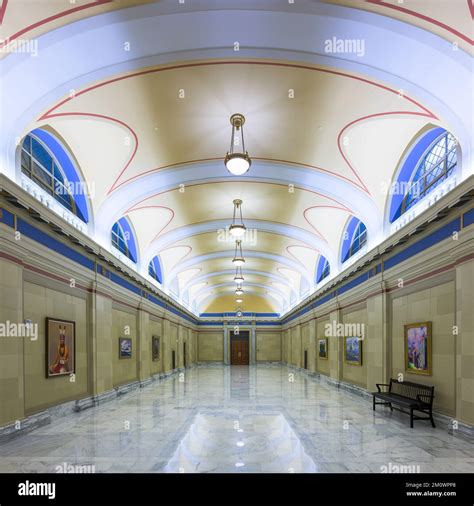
60,347
418,348
323,348
353,350
125,347
155,348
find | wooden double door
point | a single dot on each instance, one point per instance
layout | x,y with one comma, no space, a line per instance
239,348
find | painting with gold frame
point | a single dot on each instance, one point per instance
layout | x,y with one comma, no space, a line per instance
60,347
323,348
418,348
353,350
155,348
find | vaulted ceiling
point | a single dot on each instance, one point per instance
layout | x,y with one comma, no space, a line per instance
141,94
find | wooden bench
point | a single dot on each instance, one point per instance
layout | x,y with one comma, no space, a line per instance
407,395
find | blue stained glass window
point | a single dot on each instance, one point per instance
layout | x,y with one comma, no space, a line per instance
41,166
434,167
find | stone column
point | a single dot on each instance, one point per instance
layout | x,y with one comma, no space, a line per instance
336,347
465,342
253,347
12,405
226,344
166,346
376,344
312,346
144,345
101,349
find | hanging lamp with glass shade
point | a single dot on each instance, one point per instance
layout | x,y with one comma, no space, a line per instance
238,275
238,257
237,160
239,300
239,290
237,229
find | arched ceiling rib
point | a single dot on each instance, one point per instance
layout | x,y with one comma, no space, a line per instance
149,125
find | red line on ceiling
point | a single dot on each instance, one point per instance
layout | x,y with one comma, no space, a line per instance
427,18
344,208
3,9
377,115
46,20
133,208
101,116
242,62
470,4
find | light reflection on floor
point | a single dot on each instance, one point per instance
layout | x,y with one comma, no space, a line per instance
218,443
189,426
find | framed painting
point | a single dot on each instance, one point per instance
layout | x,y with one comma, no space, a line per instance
353,350
60,347
418,348
155,348
323,348
125,347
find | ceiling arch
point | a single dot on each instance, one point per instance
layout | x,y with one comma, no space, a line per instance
150,133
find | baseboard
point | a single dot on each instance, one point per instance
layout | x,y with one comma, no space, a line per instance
454,427
45,417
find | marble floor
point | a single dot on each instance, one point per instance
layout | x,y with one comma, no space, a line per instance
237,419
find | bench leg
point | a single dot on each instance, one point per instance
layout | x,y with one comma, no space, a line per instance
374,401
391,407
411,418
432,421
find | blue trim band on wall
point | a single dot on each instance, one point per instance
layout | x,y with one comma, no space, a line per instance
46,240
428,241
468,218
67,166
435,237
7,217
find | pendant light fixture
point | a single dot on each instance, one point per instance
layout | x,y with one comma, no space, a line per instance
239,290
239,300
237,160
237,229
238,276
238,257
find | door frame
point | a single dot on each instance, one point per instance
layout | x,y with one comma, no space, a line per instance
243,335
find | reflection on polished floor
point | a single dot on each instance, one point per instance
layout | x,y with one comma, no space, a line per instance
237,419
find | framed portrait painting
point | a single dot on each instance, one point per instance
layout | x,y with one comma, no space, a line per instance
353,350
60,347
125,347
323,348
155,348
418,348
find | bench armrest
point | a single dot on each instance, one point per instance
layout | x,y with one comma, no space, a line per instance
378,385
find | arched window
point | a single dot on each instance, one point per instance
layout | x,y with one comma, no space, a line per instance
124,240
46,162
323,269
429,162
355,238
434,167
154,269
